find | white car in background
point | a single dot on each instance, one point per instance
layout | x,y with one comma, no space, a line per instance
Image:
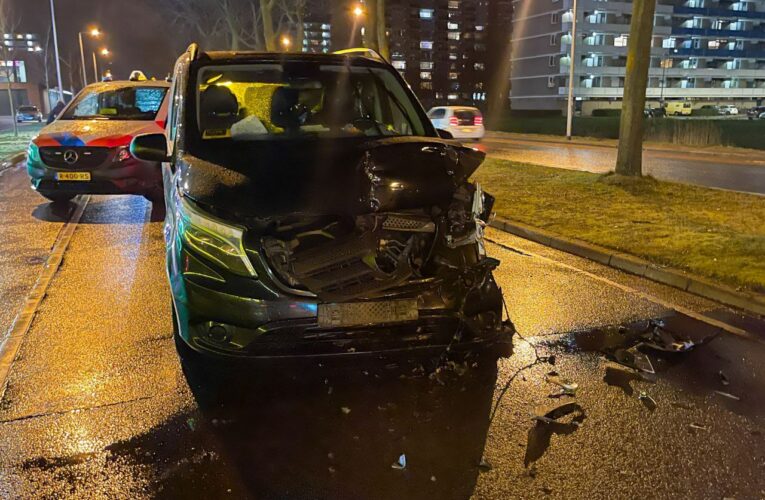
462,122
728,109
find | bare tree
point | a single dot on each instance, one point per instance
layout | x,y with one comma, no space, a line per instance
376,36
8,24
240,24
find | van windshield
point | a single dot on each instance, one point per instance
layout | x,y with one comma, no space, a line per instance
116,103
299,99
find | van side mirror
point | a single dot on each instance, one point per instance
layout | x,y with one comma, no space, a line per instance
150,147
444,134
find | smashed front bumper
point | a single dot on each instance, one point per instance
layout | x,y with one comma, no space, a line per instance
227,315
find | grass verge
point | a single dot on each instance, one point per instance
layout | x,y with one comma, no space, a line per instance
10,144
707,232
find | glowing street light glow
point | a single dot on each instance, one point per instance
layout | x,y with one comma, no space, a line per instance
286,42
105,52
358,11
94,32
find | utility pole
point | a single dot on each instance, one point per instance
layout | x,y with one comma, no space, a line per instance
55,49
95,68
629,160
571,72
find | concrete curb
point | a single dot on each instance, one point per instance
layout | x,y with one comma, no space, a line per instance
750,302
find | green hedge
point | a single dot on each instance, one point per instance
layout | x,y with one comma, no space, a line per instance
735,133
607,112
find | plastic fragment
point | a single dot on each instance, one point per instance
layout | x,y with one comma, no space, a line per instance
698,427
569,387
723,378
728,395
647,400
400,464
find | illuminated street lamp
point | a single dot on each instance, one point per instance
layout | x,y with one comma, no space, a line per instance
286,42
358,11
104,52
95,33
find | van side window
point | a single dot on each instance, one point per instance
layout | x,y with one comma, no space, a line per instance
437,113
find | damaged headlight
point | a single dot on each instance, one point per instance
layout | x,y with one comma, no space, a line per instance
214,239
33,153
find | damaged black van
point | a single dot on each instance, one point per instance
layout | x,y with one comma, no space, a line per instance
313,210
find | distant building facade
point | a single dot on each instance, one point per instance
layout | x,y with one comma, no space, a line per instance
21,62
442,47
710,51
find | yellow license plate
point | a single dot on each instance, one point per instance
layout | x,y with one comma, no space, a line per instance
467,130
73,176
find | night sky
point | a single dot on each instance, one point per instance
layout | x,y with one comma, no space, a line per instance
138,32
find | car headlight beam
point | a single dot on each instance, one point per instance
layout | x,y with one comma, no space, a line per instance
214,239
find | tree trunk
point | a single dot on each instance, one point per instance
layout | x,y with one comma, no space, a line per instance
630,156
382,35
371,35
266,17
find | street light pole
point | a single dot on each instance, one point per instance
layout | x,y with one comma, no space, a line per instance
55,49
95,67
664,62
571,65
82,60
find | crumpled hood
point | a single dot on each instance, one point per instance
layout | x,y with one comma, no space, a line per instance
277,178
104,133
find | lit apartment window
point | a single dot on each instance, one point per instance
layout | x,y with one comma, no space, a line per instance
554,39
426,85
452,57
621,41
426,13
426,64
453,35
479,66
453,76
669,43
400,65
454,4
453,97
426,45
425,75
713,44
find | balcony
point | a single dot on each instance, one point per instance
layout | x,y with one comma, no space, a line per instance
758,33
720,13
656,93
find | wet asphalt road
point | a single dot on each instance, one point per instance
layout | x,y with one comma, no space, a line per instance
731,170
97,403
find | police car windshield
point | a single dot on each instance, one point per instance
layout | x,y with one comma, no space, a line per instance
117,103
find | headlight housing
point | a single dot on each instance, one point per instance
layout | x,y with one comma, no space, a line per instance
214,239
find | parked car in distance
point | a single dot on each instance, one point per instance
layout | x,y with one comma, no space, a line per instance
657,112
313,210
757,112
728,109
28,114
87,148
461,122
678,108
